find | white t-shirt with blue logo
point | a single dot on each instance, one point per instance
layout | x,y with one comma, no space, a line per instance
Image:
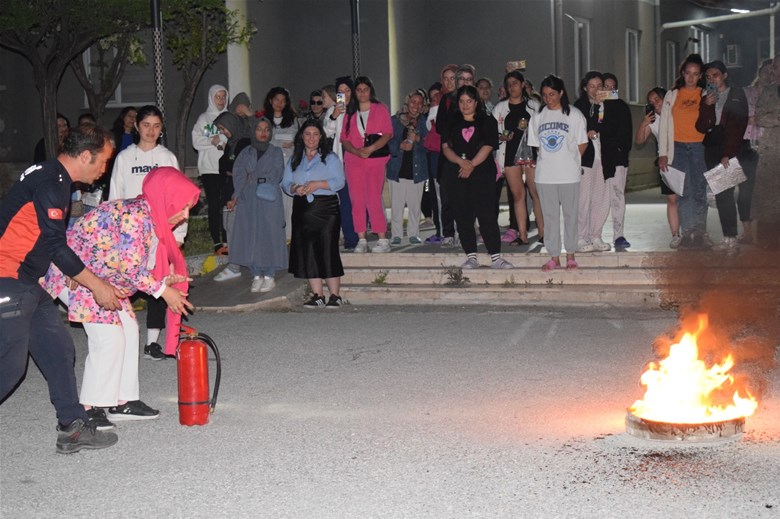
558,137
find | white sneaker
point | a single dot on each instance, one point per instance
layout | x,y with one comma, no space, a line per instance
729,243
227,273
383,245
362,246
676,239
470,263
600,246
448,241
257,284
501,263
585,246
268,284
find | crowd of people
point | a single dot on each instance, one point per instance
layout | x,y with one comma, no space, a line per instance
450,149
289,190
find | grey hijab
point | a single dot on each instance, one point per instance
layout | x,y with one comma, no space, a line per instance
261,147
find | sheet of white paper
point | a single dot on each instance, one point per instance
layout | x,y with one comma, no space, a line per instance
675,179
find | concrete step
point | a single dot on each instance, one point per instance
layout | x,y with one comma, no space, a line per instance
581,295
612,278
456,258
486,276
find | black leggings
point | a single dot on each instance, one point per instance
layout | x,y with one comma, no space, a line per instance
212,185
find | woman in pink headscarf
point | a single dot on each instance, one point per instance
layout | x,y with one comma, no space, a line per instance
118,239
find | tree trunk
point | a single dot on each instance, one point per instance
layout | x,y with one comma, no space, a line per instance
183,111
47,88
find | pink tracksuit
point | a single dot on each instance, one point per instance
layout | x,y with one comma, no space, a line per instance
366,177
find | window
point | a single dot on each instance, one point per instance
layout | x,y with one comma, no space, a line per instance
137,85
582,45
632,66
671,63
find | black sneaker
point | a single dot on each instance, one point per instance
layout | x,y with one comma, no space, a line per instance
133,410
316,301
82,435
98,417
154,351
334,302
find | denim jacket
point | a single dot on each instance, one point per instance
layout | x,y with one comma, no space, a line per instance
419,157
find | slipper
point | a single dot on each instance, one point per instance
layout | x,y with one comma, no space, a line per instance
571,264
550,266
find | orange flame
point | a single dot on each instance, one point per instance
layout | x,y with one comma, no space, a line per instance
680,387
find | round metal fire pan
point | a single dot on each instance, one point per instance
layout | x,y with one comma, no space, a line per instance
728,430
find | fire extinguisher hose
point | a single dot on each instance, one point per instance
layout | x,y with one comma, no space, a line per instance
208,340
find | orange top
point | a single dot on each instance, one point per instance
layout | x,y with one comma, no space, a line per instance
684,113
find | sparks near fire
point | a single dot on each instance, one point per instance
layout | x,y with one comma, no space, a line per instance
682,389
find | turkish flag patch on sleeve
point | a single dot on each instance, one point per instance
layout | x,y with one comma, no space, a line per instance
55,213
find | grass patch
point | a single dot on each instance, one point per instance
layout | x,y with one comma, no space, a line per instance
198,239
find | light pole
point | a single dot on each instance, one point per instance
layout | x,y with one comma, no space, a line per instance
159,72
355,37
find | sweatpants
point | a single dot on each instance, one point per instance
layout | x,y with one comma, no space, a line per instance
405,193
554,199
593,204
365,179
111,366
617,200
473,199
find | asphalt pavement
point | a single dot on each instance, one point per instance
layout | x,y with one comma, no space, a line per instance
373,412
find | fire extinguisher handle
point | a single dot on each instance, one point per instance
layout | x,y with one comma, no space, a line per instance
213,345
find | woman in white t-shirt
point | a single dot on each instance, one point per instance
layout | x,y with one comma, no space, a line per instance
559,131
130,169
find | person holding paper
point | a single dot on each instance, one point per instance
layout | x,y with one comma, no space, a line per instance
723,117
680,145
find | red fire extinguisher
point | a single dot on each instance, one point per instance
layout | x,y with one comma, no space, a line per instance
193,368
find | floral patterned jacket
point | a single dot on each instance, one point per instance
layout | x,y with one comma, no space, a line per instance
115,241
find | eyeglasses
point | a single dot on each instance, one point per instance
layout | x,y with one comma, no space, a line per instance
315,102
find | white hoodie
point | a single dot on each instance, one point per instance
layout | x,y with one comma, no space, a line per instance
204,130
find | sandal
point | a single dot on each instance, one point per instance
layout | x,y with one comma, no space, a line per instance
518,241
571,264
550,266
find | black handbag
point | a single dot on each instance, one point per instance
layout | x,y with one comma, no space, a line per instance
370,139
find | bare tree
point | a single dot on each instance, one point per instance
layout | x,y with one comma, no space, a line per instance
50,33
102,75
196,34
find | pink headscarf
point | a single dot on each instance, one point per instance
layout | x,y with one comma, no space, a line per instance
168,191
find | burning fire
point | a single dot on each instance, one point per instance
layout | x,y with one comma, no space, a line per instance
681,389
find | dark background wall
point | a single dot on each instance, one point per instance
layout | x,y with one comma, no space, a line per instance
304,44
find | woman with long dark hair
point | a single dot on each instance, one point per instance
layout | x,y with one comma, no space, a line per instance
512,115
124,130
469,176
312,178
131,167
364,137
680,145
723,118
559,131
649,126
278,109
